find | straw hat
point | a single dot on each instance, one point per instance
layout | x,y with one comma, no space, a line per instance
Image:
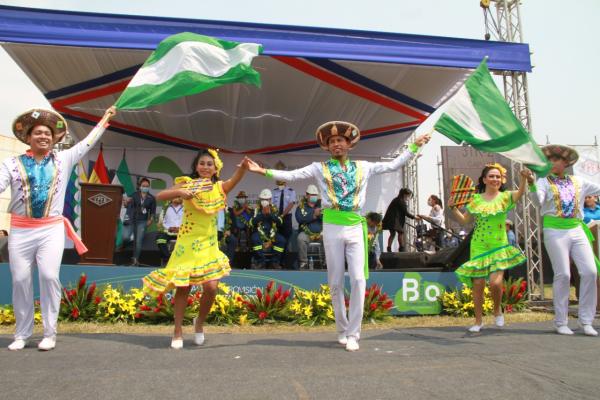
567,153
337,128
39,116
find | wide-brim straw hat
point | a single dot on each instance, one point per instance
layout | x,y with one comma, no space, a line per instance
39,116
337,128
567,153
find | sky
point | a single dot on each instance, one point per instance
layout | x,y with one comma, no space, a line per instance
562,36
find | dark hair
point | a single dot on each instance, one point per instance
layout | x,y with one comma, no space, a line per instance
436,200
194,173
404,191
480,185
33,126
374,216
4,231
142,180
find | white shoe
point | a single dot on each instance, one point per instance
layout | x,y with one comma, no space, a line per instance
563,330
476,328
352,344
177,344
47,343
18,344
199,338
342,339
499,320
588,330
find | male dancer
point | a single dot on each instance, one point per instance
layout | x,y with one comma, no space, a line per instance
566,237
38,180
342,184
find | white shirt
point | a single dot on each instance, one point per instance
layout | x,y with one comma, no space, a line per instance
315,170
544,197
173,217
64,161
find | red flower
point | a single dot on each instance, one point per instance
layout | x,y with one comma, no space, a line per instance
82,281
276,296
383,297
137,316
173,300
523,286
156,309
262,315
508,308
279,290
190,300
259,294
388,304
503,289
145,307
512,290
97,300
285,295
239,298
75,312
252,307
270,285
519,296
159,300
91,291
376,291
267,299
373,306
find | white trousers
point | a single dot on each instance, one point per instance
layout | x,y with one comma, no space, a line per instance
345,243
562,245
42,247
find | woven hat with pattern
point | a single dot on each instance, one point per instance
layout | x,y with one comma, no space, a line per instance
337,128
567,153
39,116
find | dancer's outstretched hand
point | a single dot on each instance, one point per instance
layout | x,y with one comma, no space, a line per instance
423,139
527,174
253,166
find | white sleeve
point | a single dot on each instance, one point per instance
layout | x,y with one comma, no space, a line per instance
76,153
310,171
4,177
589,188
539,196
382,167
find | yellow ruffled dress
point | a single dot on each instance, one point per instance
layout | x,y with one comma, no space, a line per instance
490,250
196,257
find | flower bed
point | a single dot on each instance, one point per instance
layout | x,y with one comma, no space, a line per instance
271,304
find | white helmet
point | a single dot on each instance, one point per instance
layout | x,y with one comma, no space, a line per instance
265,194
312,189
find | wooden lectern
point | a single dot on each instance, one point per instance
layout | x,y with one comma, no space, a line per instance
100,208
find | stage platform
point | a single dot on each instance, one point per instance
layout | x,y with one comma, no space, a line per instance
414,292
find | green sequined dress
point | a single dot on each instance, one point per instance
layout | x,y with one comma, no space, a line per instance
490,251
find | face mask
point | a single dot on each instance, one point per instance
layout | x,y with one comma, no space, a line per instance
242,201
313,199
281,187
144,189
264,203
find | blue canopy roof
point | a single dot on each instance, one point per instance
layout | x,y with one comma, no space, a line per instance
64,28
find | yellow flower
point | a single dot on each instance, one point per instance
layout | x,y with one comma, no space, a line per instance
243,319
308,311
224,288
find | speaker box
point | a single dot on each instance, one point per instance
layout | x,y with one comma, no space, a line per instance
404,261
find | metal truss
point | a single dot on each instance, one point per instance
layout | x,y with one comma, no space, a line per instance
410,174
506,26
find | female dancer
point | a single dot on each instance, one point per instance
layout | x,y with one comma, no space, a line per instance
395,217
490,252
196,258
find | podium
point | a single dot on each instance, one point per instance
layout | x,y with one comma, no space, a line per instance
100,208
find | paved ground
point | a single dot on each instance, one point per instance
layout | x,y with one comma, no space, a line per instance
522,361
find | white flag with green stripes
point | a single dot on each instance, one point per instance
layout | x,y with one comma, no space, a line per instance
186,64
479,116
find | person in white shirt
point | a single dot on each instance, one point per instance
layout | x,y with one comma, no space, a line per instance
169,221
566,237
38,181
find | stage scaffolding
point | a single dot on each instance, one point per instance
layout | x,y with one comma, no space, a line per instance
505,25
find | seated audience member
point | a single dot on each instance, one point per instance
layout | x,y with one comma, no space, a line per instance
449,240
374,230
265,237
512,238
591,209
169,222
310,223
